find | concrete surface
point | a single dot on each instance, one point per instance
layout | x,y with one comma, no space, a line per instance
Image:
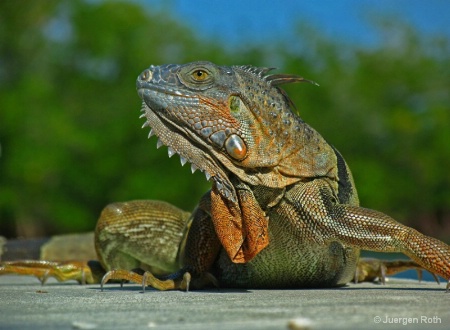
401,304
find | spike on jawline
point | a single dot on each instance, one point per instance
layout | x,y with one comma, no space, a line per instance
219,186
207,175
159,144
170,152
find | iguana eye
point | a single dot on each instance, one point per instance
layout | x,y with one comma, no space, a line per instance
236,147
199,75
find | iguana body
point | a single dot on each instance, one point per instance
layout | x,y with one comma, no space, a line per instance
283,209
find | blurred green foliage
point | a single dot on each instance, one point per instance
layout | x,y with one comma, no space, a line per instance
71,140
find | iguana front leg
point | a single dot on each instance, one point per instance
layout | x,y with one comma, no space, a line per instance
152,236
141,234
146,235
370,230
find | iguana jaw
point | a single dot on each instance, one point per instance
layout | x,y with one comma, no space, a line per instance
191,148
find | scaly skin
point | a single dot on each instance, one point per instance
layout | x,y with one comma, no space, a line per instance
283,211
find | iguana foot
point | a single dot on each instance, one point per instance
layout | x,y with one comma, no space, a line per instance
181,283
181,280
81,271
147,278
121,275
370,270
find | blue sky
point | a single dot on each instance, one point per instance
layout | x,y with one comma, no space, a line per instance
237,21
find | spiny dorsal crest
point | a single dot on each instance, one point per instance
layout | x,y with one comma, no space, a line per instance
260,72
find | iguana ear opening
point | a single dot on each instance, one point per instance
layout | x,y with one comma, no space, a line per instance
241,227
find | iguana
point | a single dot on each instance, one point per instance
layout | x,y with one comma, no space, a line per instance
283,211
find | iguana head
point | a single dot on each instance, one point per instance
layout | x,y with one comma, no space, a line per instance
223,119
230,122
